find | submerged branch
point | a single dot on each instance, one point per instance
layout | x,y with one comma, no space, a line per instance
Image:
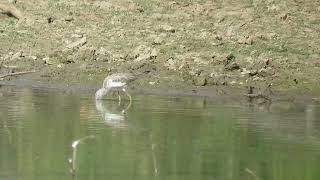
252,174
16,73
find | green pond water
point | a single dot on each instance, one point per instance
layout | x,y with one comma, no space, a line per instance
54,135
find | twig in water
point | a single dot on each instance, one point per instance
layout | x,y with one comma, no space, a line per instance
72,160
5,126
16,73
155,168
252,174
154,158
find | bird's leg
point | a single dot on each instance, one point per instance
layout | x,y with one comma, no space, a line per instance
124,90
119,97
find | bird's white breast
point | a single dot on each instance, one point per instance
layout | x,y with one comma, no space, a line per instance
116,84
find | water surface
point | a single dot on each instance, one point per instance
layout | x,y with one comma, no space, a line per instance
157,138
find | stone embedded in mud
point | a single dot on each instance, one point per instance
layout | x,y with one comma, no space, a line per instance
154,53
32,57
69,18
233,82
195,72
60,66
143,53
200,81
77,44
77,35
86,54
48,61
316,100
284,16
167,28
152,83
103,54
17,55
65,57
200,60
12,1
264,72
50,20
212,81
246,40
230,58
232,66
158,40
170,64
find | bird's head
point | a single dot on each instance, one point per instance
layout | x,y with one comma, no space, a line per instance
100,93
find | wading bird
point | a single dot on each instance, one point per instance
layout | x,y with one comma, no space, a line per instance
115,82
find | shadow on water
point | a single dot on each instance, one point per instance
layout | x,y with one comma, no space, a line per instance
157,138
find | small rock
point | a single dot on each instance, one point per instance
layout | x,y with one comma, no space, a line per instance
142,53
6,57
267,62
68,18
50,20
171,3
218,37
12,1
253,73
60,66
212,81
244,71
170,64
272,36
232,66
158,40
316,99
200,81
47,61
246,40
78,43
284,16
233,82
154,53
216,43
220,20
33,57
168,28
86,54
257,79
171,61
17,55
137,51
77,35
195,72
264,72
200,60
230,58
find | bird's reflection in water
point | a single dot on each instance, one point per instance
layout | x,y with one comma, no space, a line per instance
112,114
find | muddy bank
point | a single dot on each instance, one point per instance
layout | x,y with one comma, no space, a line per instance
176,47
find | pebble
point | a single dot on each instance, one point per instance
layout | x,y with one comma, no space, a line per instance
168,28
